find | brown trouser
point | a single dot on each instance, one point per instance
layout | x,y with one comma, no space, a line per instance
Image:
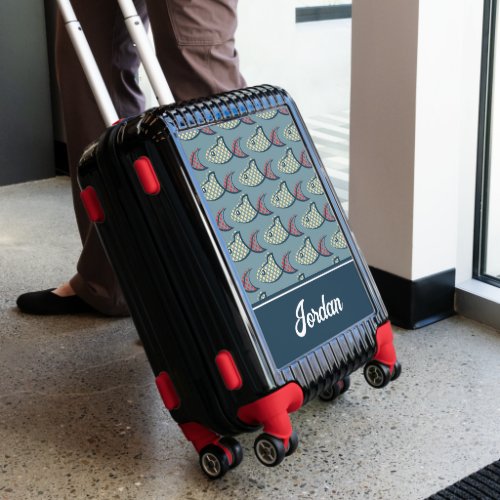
194,41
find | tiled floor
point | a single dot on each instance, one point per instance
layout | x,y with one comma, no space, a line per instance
80,416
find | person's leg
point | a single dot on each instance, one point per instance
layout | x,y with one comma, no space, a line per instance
102,23
195,45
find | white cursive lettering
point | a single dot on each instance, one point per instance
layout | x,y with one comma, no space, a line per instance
309,319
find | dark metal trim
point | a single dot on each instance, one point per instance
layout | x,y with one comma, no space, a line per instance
322,13
483,150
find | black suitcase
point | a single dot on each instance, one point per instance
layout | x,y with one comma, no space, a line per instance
245,284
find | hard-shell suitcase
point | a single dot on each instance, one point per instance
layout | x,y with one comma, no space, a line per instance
243,279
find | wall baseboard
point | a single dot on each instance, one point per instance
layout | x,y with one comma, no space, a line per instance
415,304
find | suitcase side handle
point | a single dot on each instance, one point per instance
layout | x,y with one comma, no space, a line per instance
88,63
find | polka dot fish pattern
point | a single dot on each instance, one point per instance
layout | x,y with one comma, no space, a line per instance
267,201
219,152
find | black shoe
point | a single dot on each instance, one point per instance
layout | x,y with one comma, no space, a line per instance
48,303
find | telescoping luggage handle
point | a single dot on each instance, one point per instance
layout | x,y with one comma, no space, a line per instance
146,53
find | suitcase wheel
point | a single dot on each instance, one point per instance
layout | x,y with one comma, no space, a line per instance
293,443
235,448
270,450
377,374
333,392
213,461
396,371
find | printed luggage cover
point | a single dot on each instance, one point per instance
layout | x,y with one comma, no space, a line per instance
279,228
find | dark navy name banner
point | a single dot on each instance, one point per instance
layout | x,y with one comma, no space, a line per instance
313,313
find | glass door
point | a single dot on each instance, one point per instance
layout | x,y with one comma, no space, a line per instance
487,227
304,46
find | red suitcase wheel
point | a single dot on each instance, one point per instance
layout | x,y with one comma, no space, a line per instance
293,444
235,448
269,450
213,461
377,374
333,392
396,371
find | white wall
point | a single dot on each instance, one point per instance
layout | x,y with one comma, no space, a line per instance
448,74
472,28
415,90
437,136
382,150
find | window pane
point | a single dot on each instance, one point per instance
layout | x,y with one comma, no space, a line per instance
312,61
492,217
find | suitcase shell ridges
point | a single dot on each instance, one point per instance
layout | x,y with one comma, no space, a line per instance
305,372
314,370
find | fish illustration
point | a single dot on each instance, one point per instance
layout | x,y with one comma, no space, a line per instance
327,213
244,211
195,161
322,249
236,149
276,234
254,244
283,110
219,152
269,271
291,133
261,206
288,163
229,124
251,176
267,115
207,131
338,240
228,184
314,186
307,254
297,192
247,284
282,198
221,223
188,135
238,249
312,219
274,138
268,171
305,160
247,120
211,187
292,228
258,141
286,266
